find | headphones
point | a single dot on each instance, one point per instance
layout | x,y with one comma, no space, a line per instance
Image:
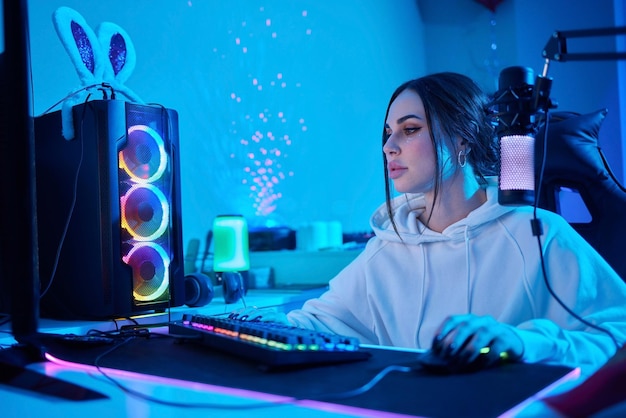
233,283
199,289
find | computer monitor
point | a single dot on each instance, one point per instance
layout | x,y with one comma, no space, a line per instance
19,271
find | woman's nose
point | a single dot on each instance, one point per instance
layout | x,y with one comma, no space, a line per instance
390,146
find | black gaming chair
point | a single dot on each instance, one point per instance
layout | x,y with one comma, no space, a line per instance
575,161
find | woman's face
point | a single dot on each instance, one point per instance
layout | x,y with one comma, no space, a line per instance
411,157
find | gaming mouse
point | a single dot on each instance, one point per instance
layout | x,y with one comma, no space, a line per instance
430,362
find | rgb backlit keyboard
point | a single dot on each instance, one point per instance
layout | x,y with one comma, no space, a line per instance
270,344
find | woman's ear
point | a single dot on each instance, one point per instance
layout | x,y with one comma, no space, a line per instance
462,144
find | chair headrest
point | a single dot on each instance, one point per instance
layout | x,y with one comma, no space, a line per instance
572,149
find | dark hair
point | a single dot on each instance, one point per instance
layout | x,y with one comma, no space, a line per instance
455,106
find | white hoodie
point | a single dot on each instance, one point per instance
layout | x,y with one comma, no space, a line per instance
398,291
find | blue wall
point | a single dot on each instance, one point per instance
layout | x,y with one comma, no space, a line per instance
459,35
301,87
222,66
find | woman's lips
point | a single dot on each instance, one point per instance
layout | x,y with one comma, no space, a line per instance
395,170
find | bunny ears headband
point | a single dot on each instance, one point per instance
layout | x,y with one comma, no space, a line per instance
103,61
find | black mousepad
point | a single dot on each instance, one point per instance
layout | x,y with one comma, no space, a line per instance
487,393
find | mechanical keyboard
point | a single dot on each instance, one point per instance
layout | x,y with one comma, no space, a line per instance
267,343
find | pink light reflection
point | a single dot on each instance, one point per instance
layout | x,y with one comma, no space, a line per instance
58,365
516,410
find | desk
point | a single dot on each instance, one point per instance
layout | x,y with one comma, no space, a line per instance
277,299
227,400
223,401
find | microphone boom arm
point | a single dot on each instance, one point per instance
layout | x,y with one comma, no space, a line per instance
556,48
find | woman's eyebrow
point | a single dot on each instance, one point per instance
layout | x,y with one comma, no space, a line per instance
403,118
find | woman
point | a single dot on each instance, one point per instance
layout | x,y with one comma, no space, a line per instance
452,270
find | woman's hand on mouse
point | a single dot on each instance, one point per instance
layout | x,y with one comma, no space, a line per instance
463,338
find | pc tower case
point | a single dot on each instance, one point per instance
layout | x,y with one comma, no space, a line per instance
108,211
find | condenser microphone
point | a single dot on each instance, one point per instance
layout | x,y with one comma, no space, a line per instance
516,129
519,101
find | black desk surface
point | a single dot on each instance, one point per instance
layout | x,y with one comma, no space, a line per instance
487,393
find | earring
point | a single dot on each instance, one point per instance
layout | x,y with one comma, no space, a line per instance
462,158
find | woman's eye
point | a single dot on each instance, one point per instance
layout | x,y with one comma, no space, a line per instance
411,130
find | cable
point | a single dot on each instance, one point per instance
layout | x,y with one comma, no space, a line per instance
367,386
283,401
74,93
146,397
207,252
72,205
609,171
537,231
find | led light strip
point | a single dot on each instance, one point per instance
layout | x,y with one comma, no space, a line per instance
162,270
143,171
158,200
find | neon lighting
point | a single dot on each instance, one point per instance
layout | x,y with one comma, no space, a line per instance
271,336
57,366
231,252
227,332
144,158
145,212
149,257
517,410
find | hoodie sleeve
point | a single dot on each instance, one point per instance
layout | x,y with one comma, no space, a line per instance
338,310
589,288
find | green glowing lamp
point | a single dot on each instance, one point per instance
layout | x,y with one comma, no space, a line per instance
231,251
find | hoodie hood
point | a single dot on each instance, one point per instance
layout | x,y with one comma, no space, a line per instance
408,207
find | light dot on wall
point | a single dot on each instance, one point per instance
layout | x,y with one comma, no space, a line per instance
263,154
